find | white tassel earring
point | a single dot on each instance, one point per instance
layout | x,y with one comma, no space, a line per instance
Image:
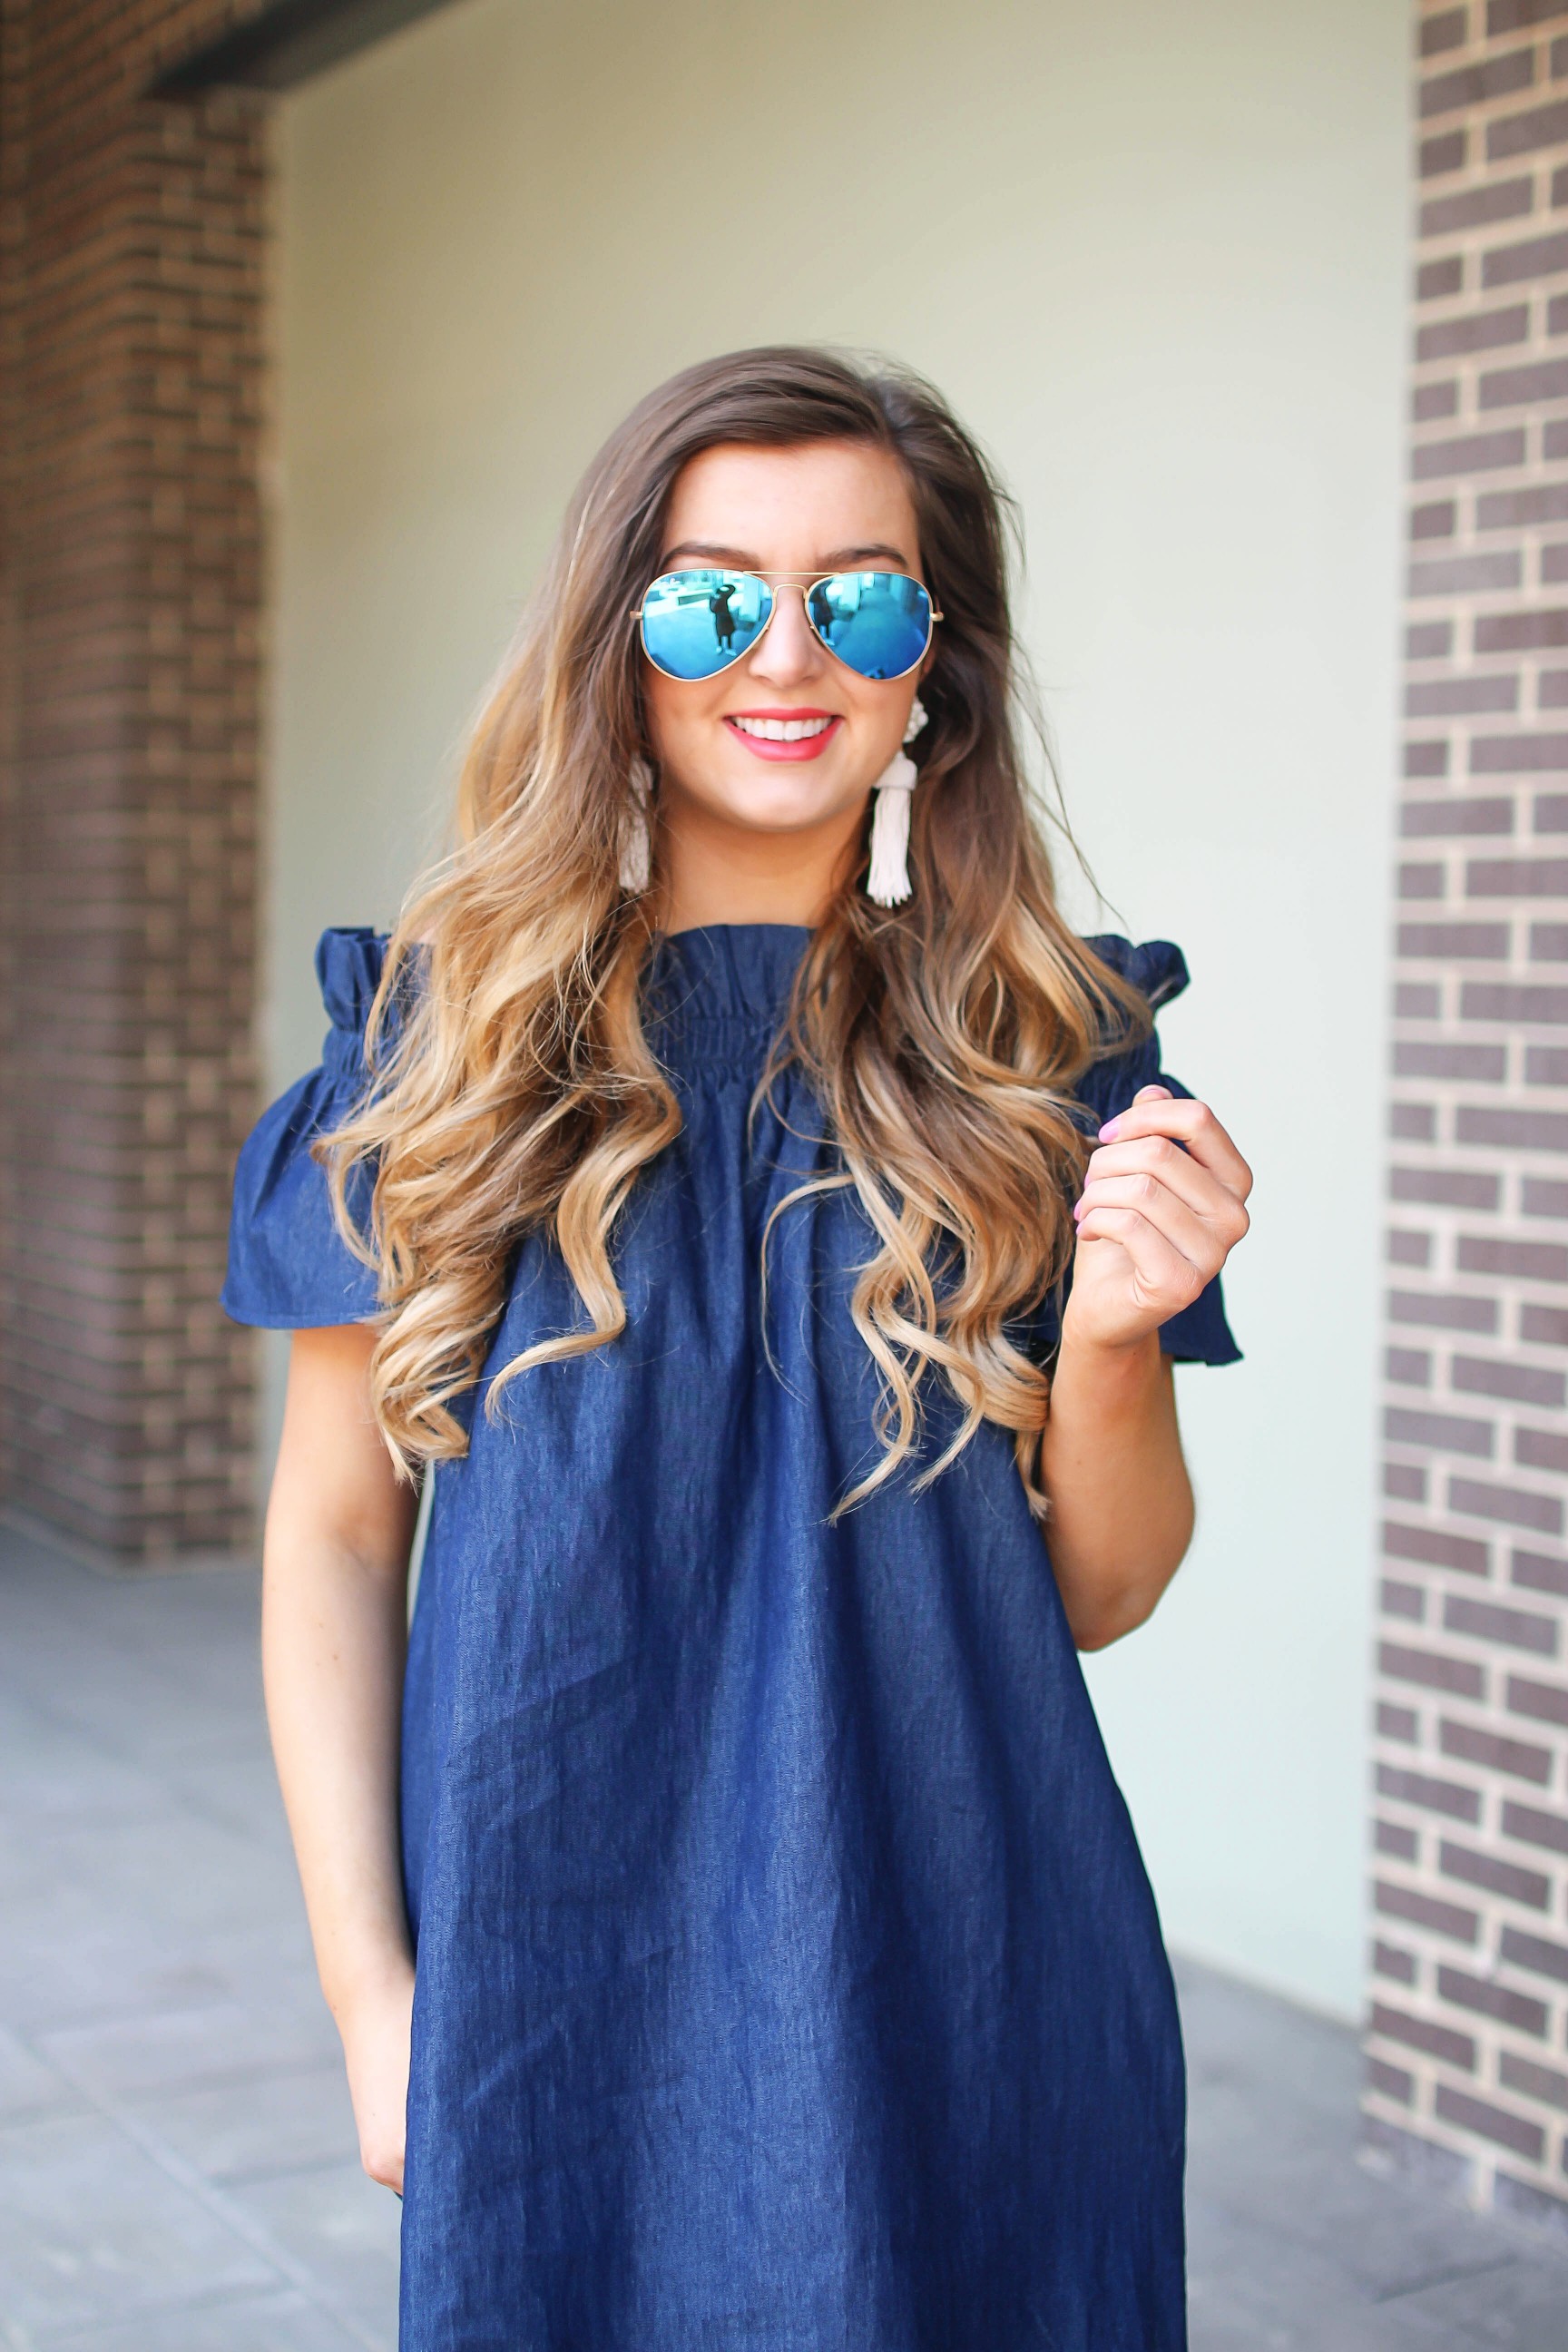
888,883
636,833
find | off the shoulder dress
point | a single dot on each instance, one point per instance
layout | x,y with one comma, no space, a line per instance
788,1980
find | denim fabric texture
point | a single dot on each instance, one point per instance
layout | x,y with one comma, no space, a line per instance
787,1974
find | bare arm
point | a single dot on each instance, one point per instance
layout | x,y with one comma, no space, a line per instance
1122,1503
334,1615
1155,1223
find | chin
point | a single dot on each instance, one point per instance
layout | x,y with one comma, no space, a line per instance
779,803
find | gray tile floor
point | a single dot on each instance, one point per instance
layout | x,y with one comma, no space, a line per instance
176,2155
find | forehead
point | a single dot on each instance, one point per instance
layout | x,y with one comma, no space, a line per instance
790,508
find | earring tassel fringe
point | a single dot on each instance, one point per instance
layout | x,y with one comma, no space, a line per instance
636,844
888,883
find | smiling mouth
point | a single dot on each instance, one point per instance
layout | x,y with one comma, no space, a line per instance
783,731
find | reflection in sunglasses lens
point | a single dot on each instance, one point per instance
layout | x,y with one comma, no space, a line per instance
695,623
876,623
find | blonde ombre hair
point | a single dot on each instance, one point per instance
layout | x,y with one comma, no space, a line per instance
517,1090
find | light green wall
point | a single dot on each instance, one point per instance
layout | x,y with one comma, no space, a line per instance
1155,257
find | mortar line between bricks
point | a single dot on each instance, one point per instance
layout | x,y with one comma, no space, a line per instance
324,2297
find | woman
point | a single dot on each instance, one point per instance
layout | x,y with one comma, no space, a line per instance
786,1972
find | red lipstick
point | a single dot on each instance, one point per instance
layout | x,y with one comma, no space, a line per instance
777,747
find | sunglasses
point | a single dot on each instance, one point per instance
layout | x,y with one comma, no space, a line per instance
696,624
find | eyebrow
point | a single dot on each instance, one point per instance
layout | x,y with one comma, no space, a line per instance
841,558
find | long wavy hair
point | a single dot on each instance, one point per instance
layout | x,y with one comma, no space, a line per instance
513,1088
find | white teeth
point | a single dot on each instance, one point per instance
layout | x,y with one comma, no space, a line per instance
782,731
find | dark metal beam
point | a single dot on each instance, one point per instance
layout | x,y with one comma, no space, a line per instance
286,42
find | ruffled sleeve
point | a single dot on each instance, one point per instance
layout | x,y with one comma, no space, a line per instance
1199,1333
290,1268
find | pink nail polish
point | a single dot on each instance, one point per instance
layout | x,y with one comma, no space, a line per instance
1108,1132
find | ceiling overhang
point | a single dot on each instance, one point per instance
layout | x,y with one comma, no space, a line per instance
285,43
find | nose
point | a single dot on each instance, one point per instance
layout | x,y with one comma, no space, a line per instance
788,649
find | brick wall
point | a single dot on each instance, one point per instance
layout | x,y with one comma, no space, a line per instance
1468,2054
130,349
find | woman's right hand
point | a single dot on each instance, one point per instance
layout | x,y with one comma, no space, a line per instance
375,2035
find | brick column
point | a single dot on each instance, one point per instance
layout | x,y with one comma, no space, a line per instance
131,347
1468,2054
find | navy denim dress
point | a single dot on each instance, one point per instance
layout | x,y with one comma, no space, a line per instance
787,1974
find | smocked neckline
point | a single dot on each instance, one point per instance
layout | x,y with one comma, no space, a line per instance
727,972
714,972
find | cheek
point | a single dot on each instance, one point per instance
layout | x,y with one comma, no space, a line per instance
659,713
877,715
674,711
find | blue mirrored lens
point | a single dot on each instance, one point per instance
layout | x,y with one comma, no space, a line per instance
878,622
695,623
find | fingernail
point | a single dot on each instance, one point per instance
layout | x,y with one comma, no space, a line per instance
1107,1133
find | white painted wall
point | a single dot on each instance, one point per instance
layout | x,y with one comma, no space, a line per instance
1155,257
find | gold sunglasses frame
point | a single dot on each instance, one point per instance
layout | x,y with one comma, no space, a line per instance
773,581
